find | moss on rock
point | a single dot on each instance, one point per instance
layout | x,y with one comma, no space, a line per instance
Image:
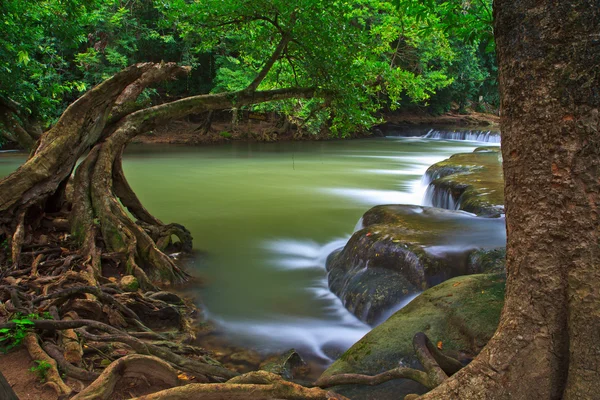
403,250
462,313
472,182
129,283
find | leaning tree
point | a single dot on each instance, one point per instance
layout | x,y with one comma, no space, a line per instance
282,52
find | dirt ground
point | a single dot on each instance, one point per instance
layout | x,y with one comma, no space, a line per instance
15,367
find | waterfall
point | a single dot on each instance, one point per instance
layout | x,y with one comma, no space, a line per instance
478,136
440,197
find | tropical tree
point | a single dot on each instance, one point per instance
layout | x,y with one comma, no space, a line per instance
473,69
546,346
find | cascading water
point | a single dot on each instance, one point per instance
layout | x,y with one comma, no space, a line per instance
440,197
476,136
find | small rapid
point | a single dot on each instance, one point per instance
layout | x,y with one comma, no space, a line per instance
475,136
322,337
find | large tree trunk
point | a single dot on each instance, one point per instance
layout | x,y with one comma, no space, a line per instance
548,342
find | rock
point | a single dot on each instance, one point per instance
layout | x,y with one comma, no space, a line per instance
487,261
403,250
129,283
462,313
472,182
288,365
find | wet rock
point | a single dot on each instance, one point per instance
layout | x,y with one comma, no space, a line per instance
403,250
288,365
471,182
129,283
487,261
462,313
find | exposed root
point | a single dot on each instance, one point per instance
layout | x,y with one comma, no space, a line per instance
17,239
259,385
73,352
52,375
197,367
68,368
358,379
128,366
431,358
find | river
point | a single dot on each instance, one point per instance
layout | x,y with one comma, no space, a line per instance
264,217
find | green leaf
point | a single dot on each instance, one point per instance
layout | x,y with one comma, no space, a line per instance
23,57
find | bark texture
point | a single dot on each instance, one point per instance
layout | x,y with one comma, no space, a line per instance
548,342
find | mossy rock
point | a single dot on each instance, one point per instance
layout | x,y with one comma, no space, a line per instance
288,365
462,313
473,182
403,250
129,283
487,261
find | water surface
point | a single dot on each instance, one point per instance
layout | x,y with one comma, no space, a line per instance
267,215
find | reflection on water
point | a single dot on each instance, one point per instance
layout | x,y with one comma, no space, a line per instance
267,215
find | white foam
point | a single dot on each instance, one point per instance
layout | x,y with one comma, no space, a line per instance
375,197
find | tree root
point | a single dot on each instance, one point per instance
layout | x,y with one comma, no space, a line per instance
53,378
68,368
128,366
358,379
260,385
437,367
115,335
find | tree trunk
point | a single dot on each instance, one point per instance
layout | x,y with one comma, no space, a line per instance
207,124
6,391
548,342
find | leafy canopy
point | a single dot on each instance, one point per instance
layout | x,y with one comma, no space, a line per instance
362,55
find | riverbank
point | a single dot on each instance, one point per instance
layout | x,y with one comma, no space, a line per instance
269,128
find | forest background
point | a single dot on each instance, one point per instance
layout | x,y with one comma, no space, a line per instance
368,57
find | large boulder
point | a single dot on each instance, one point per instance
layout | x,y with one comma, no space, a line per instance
461,313
472,182
403,250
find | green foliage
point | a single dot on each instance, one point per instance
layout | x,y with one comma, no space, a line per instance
11,338
41,369
473,65
362,55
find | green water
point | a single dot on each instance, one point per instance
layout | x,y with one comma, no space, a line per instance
265,216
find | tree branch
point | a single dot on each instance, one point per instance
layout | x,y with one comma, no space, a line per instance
285,39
